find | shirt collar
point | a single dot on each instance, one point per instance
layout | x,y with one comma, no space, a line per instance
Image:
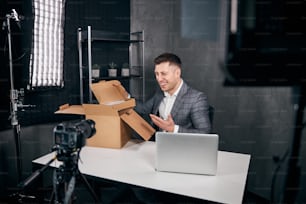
166,94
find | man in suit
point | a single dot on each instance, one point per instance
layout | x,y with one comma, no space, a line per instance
175,107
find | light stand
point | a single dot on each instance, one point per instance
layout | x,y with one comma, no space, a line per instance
14,94
14,98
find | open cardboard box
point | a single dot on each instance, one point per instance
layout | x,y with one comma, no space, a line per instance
114,116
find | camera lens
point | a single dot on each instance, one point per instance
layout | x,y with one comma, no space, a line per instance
87,127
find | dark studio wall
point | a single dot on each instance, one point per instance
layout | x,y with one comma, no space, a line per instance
37,123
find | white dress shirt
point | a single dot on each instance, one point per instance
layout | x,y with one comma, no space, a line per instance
167,104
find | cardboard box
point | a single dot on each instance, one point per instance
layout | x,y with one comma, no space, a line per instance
114,116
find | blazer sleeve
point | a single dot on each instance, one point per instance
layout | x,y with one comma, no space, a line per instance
144,108
198,115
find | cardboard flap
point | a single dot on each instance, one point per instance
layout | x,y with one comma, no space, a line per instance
71,109
144,129
109,92
127,104
99,109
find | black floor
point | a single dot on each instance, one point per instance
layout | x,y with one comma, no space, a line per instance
251,198
107,192
110,193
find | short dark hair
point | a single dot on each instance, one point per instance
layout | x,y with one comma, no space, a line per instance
168,57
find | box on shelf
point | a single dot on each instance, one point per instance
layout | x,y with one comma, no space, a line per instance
114,116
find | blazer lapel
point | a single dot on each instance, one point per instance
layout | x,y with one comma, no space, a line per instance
158,98
178,101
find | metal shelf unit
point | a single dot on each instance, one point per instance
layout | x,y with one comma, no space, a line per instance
135,43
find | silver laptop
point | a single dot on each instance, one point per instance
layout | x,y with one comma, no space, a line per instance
187,153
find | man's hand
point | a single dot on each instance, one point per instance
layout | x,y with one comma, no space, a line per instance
167,125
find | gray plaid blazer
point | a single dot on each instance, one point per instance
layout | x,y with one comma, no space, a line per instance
190,110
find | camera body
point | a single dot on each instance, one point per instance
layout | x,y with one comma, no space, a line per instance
70,137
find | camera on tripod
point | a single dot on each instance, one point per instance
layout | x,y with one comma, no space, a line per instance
70,137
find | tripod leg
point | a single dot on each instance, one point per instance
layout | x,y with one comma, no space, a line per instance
56,185
70,190
94,195
51,199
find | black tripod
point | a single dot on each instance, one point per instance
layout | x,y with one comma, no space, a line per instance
64,177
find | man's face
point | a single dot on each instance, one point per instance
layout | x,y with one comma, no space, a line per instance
168,76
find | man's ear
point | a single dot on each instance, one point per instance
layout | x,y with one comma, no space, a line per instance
178,72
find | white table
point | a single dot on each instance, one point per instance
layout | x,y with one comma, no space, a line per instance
134,164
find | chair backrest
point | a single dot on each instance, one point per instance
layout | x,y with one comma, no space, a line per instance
211,111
